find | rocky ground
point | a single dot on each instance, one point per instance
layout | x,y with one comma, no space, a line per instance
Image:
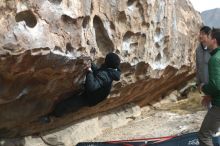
167,117
179,112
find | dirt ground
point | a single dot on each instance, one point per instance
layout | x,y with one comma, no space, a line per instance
163,118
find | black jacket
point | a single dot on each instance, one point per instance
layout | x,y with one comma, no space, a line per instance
99,83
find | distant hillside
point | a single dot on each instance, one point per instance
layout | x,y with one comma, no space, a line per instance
211,17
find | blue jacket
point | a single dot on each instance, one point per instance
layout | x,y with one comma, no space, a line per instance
202,59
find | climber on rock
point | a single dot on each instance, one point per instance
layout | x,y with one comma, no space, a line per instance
97,87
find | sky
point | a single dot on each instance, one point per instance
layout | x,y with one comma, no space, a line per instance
202,5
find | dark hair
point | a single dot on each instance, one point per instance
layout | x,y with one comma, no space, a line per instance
206,30
112,60
215,33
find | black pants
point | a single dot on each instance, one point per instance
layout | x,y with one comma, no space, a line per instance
70,104
210,126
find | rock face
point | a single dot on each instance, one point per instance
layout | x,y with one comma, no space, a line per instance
45,44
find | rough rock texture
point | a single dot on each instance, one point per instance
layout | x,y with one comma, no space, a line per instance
128,122
85,129
45,44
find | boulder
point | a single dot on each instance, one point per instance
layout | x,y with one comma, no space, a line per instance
46,44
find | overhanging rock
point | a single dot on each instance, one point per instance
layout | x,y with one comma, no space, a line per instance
46,44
